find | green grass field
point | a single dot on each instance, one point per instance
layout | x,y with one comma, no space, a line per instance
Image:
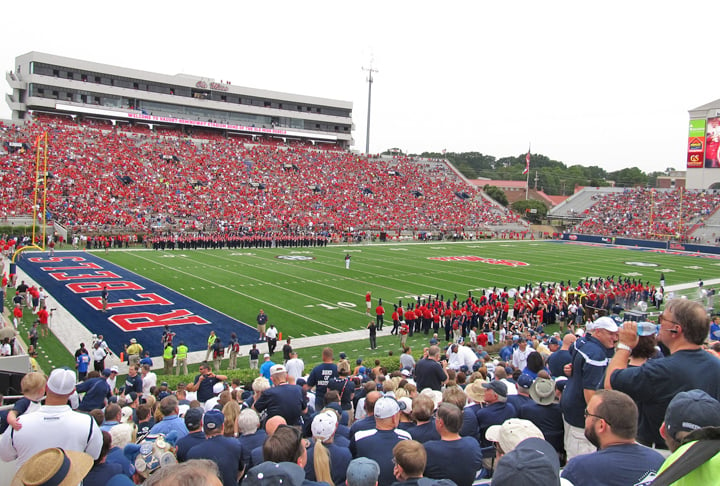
319,296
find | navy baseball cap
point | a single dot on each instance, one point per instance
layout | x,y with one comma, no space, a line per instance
193,418
691,410
525,381
497,386
213,420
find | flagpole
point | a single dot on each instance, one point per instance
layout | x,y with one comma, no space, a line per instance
527,172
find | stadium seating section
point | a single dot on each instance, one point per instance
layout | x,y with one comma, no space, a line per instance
132,179
648,213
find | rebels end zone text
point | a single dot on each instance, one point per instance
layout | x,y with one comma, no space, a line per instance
131,321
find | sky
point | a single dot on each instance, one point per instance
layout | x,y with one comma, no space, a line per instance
590,83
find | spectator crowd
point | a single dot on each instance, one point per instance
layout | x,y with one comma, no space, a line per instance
649,213
597,405
133,179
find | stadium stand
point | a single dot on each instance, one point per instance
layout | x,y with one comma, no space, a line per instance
129,178
649,213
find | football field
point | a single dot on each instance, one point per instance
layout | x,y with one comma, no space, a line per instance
308,291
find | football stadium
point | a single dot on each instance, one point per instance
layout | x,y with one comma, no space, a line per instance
166,218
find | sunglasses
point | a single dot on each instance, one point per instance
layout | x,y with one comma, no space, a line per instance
298,435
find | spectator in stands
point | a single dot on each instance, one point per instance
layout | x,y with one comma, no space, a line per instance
611,419
497,410
377,443
196,471
692,418
226,452
55,422
684,327
362,472
196,435
591,356
532,462
171,420
443,454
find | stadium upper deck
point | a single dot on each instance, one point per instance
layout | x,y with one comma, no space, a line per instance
49,83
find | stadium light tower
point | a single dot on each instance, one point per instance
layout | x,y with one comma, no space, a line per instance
370,71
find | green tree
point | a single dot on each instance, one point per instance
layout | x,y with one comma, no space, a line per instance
532,210
496,193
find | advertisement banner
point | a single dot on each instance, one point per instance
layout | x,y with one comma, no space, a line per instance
696,144
712,143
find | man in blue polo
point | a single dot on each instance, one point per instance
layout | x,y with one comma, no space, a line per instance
171,420
591,356
204,383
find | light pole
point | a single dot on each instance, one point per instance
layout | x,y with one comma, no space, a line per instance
370,71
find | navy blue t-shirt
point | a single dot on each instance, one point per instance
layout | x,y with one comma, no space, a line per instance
284,400
470,424
101,473
340,457
618,465
519,401
319,378
547,418
458,460
378,445
425,432
557,361
205,388
656,382
226,452
188,442
250,442
494,414
429,374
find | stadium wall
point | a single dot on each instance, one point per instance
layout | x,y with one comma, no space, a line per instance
659,245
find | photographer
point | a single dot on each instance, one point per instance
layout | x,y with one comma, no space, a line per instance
204,383
430,371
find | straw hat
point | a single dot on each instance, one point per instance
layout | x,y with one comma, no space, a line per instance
64,468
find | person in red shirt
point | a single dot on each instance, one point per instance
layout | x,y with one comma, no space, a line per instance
17,315
396,321
43,319
410,320
379,315
368,303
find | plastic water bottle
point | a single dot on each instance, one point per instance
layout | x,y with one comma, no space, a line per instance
647,328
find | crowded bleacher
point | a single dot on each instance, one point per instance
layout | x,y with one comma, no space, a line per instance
648,213
135,179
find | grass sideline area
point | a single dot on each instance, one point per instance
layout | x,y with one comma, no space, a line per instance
307,292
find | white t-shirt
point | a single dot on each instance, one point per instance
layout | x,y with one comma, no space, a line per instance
295,367
272,333
51,426
149,381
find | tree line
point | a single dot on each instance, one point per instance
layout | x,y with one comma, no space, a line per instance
553,177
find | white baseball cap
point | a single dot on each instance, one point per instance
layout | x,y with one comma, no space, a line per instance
61,381
512,432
